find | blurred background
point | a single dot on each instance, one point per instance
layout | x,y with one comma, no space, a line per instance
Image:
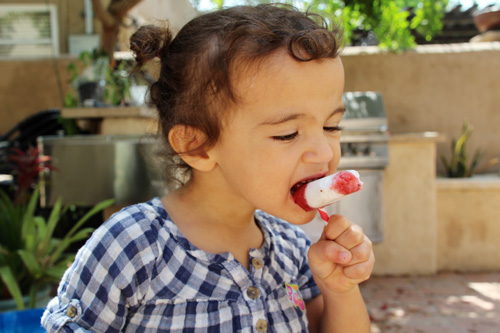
422,92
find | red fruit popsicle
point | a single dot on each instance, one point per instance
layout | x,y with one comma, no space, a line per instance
327,190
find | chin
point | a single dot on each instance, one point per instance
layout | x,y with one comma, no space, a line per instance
300,218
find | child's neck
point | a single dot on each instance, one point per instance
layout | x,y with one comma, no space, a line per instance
212,224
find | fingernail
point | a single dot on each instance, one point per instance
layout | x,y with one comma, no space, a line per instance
344,256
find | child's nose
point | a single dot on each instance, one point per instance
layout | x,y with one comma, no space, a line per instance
319,151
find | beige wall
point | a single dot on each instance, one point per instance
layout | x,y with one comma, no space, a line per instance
468,226
434,89
409,245
30,86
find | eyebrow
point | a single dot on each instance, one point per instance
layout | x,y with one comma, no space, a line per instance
283,118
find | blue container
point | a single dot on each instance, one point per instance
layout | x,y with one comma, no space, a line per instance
25,321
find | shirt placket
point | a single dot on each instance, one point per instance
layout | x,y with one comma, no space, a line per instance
252,291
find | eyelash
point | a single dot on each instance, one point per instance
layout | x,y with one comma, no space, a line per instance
333,129
290,137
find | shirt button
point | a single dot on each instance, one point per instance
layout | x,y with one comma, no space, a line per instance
257,263
71,312
261,325
253,292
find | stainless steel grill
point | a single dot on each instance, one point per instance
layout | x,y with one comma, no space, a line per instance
93,168
364,144
364,138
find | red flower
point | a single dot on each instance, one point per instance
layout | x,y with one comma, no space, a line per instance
27,167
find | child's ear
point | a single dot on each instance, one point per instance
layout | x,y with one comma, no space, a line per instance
186,142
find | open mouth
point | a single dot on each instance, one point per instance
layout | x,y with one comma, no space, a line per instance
300,184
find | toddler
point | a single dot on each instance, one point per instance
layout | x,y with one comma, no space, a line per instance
250,104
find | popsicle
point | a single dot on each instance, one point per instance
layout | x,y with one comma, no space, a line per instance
327,190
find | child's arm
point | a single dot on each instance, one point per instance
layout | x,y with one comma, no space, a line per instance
105,280
339,261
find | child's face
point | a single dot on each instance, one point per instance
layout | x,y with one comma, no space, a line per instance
282,132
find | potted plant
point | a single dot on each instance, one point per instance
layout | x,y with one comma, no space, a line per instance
458,166
31,258
96,82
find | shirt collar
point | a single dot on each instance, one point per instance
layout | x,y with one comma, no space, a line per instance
211,258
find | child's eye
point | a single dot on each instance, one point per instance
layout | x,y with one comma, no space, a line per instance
332,128
288,137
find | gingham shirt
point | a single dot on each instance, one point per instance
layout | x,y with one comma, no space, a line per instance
138,273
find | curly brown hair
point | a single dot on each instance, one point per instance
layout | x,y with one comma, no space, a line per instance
194,86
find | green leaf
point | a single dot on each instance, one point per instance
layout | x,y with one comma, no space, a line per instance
96,209
54,242
459,165
57,272
81,235
11,217
67,240
70,100
28,223
41,229
31,262
55,216
478,154
445,164
12,286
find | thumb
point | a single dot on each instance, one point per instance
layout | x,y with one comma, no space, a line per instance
325,255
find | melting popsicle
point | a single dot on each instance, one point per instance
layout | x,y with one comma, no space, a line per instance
327,190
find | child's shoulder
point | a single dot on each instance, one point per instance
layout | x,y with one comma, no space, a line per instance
144,215
140,224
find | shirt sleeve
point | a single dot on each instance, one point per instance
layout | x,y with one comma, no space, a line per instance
109,276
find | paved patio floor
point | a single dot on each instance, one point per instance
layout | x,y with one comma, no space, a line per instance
442,303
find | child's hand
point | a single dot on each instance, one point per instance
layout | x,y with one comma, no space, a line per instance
342,257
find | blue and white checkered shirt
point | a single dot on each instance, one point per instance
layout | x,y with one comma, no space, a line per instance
138,273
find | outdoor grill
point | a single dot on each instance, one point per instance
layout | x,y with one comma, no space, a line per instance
364,144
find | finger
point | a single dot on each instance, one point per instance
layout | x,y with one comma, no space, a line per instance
361,252
329,252
361,271
351,237
335,227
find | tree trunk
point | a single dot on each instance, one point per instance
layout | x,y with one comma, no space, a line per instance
111,19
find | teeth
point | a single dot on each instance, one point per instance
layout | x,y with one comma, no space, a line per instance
299,184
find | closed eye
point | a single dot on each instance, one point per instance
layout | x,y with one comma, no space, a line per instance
288,137
333,128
